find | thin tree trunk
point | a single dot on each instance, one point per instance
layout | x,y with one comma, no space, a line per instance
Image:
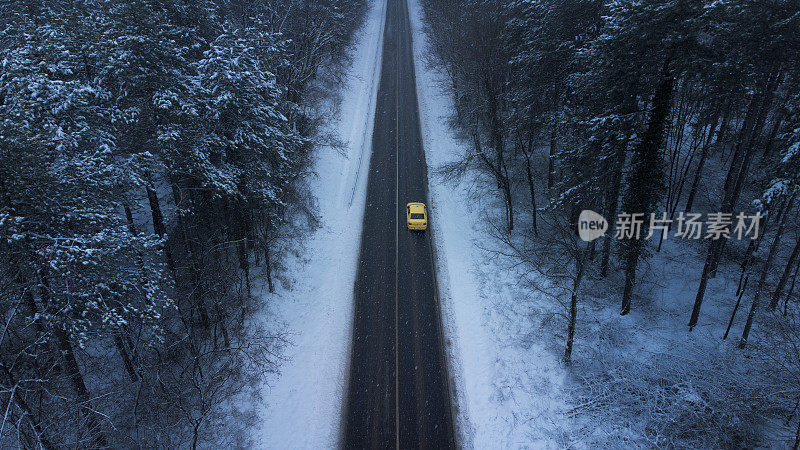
553,151
244,263
118,342
196,435
496,136
221,324
715,249
701,290
27,413
268,264
573,314
735,308
700,164
160,228
749,152
772,134
532,190
630,276
155,211
785,276
573,307
722,132
71,367
551,157
773,250
606,253
744,132
129,218
243,235
75,376
192,252
509,204
126,358
754,244
751,129
791,289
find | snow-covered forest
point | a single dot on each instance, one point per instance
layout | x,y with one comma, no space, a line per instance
667,107
151,153
183,185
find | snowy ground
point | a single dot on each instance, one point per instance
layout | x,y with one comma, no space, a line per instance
637,380
301,406
640,380
508,382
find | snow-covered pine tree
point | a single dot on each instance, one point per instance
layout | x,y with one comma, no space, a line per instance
77,271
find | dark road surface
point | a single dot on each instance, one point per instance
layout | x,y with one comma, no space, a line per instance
398,390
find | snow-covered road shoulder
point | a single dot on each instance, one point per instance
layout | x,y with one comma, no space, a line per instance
302,405
502,399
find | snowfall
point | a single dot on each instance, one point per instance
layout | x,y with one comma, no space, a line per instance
302,404
503,340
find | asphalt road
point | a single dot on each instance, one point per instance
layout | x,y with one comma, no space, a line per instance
398,390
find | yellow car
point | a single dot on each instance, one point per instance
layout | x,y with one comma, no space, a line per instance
416,216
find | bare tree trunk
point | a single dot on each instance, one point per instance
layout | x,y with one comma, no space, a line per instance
791,289
551,157
195,435
772,134
242,232
531,186
752,129
509,204
773,250
735,308
160,229
75,376
700,164
674,194
129,217
724,126
785,276
27,413
220,322
118,342
573,313
244,264
701,290
553,151
715,249
496,136
747,128
71,367
155,211
754,245
630,276
752,135
198,297
126,358
573,307
268,263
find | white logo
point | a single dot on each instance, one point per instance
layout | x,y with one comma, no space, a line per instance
591,225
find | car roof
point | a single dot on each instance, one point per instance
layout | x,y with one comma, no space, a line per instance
416,207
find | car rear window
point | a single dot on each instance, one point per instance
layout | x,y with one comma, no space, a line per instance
417,216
